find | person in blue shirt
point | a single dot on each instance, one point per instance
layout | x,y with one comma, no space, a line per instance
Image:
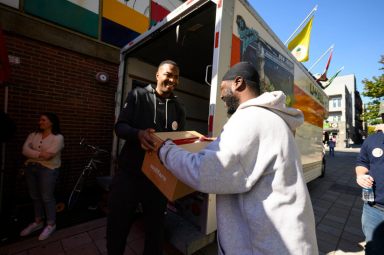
370,174
332,144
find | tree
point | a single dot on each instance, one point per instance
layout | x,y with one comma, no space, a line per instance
374,89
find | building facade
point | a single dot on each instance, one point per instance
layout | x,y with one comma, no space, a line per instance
57,50
345,109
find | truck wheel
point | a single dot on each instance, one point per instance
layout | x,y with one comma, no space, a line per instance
323,165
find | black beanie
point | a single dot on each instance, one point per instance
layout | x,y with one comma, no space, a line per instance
243,69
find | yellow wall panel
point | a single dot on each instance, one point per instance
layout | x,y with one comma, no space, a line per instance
125,16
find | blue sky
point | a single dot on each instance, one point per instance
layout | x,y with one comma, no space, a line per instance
356,27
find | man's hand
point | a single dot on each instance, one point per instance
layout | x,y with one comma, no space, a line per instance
364,180
146,140
206,139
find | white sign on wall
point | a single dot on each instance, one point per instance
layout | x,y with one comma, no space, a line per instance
90,5
12,3
141,6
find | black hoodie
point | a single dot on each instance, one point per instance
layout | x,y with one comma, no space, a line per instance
143,109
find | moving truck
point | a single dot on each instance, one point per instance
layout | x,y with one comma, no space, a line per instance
206,37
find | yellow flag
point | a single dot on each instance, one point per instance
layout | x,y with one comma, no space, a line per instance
299,46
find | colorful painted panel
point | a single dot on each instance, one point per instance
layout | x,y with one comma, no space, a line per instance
158,12
125,16
123,21
116,34
71,14
313,112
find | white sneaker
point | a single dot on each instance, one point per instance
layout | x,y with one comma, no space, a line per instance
31,228
48,230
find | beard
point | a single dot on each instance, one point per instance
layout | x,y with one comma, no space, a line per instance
231,101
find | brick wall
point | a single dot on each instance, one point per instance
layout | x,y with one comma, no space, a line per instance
53,79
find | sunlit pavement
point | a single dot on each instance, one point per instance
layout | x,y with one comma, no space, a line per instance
336,202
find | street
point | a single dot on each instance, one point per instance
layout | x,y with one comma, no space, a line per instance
336,201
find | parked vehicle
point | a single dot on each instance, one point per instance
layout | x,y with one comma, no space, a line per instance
205,38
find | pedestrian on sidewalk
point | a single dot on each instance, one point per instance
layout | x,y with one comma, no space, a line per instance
263,205
370,175
332,145
145,111
43,151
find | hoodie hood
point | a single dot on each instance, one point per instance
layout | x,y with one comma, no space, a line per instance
151,90
275,101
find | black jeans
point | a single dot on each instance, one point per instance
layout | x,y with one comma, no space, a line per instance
126,192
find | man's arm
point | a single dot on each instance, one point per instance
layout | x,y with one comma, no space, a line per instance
219,167
362,168
124,128
210,170
363,178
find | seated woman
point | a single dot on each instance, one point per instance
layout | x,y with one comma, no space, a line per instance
43,151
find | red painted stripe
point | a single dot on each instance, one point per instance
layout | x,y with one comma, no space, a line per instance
217,40
236,50
190,1
219,4
158,12
210,123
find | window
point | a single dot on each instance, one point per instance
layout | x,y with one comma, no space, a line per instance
336,102
334,117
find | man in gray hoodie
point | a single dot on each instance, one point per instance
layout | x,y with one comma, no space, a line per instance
263,205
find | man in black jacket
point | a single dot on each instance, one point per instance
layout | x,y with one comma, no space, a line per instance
145,111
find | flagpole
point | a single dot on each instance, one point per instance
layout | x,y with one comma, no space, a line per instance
321,57
333,77
342,68
306,18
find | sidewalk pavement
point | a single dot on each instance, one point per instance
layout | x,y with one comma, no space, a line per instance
337,204
336,200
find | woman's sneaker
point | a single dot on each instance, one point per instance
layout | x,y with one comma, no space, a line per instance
48,230
31,228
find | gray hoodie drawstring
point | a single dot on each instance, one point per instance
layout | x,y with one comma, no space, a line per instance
166,112
166,109
154,102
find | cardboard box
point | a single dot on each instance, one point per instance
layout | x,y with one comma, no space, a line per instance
167,183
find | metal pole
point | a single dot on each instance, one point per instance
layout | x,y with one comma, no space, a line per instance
333,77
317,61
306,18
3,152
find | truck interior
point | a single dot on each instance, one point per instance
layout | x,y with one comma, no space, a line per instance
188,41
